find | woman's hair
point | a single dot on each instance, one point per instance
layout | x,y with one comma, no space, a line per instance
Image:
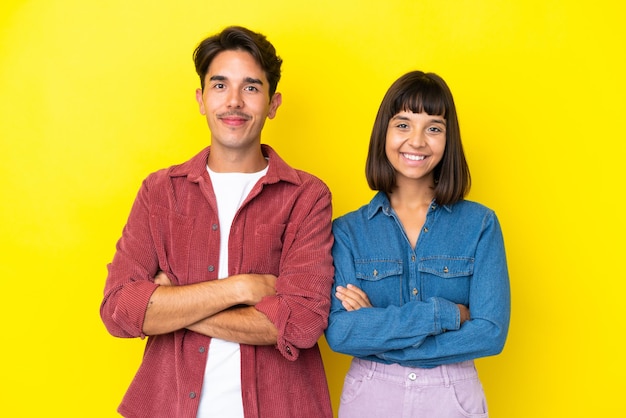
420,92
239,38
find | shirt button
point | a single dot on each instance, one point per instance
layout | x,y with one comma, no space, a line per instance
211,268
192,395
214,227
201,350
425,229
412,376
288,349
415,292
375,273
413,257
445,269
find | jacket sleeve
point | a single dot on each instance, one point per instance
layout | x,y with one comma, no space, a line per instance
372,331
299,310
485,333
129,284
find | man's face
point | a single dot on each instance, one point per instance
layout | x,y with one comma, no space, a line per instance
236,101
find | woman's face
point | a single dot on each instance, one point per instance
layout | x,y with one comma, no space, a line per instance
414,146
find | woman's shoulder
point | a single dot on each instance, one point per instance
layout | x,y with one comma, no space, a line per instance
469,206
352,216
470,209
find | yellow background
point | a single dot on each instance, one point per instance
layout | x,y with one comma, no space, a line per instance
94,95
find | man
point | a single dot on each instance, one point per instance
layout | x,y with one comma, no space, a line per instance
245,345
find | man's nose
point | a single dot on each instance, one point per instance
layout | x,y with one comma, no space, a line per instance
235,99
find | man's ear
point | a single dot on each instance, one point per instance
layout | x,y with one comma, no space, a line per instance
200,101
275,102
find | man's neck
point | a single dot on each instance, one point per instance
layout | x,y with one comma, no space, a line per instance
227,161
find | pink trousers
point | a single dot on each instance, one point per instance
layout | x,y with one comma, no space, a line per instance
376,390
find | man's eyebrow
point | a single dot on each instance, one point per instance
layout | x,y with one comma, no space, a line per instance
253,80
249,80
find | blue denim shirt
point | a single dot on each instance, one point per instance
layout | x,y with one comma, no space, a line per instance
414,321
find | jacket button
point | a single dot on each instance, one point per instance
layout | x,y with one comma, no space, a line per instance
192,395
211,268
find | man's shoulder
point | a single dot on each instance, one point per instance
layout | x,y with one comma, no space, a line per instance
282,171
192,167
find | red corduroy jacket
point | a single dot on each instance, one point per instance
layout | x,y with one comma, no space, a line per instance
283,228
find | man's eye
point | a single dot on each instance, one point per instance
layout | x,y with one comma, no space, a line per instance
251,88
218,86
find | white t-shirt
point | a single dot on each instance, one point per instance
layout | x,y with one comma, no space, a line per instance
221,388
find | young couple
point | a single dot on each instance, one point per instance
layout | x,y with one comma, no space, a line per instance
231,264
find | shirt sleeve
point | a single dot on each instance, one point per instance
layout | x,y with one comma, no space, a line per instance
299,310
372,331
485,333
129,283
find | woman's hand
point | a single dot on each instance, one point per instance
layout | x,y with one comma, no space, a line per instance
352,298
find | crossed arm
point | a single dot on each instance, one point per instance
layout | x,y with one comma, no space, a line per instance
352,298
219,308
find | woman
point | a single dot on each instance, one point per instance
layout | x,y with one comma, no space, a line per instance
421,281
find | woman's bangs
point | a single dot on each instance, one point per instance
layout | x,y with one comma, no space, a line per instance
427,98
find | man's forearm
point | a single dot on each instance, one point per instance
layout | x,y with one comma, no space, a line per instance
175,307
243,325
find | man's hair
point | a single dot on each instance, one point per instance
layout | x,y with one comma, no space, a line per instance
242,39
420,92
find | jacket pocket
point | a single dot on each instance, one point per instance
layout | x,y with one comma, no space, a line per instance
266,255
171,234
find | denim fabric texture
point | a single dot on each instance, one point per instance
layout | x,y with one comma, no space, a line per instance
415,322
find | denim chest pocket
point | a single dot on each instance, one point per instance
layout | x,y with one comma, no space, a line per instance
447,277
381,280
375,270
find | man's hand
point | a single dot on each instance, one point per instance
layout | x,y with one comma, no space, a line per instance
252,287
162,279
352,298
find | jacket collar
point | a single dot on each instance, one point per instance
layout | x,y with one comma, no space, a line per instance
278,170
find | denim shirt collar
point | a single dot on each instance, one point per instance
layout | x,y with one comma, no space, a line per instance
381,203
